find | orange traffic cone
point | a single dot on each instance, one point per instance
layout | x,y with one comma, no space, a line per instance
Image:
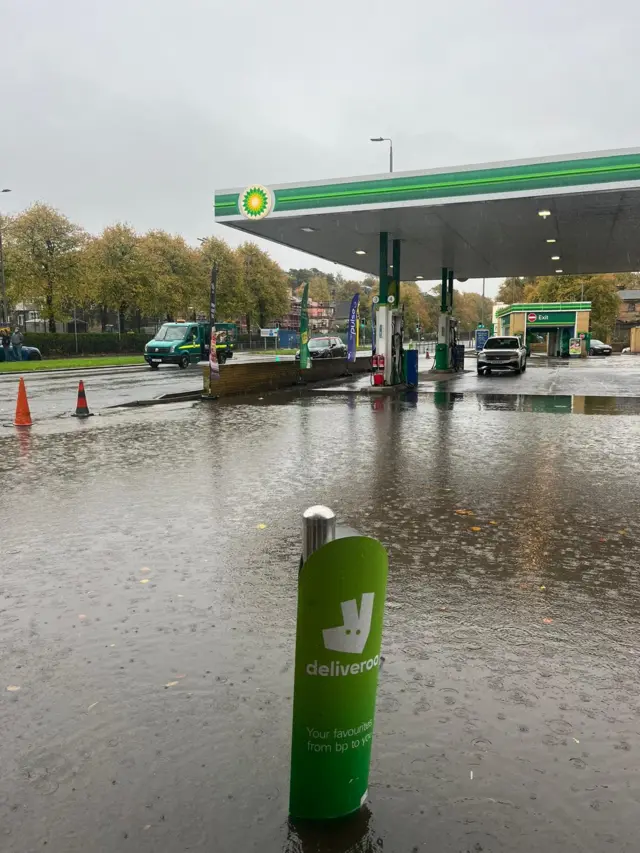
23,415
82,409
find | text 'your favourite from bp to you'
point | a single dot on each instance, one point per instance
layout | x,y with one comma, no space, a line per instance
339,740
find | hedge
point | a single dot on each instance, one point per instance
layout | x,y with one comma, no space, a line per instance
89,343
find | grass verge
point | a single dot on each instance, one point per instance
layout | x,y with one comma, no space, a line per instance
69,363
269,351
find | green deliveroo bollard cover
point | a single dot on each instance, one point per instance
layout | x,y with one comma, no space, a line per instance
341,595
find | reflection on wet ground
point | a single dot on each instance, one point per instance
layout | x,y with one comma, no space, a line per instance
611,377
147,606
554,404
469,401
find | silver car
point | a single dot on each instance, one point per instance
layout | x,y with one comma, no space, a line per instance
504,352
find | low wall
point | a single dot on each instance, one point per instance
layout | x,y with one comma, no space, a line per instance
248,377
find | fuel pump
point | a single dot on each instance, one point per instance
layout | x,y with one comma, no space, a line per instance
397,331
382,355
453,342
386,364
447,335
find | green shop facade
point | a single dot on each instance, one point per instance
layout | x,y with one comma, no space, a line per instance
549,327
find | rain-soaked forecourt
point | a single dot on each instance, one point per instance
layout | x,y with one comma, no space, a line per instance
147,606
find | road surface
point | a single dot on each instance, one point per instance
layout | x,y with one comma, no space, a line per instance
147,611
52,394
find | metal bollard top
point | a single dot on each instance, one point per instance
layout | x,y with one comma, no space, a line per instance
318,528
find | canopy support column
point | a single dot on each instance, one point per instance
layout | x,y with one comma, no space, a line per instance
396,270
384,267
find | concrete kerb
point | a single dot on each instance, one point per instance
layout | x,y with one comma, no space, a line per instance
130,368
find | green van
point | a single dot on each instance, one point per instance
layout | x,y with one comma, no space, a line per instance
188,343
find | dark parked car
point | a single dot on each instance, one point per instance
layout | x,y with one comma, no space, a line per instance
31,354
598,348
328,347
28,354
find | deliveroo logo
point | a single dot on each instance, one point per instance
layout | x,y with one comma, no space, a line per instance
352,636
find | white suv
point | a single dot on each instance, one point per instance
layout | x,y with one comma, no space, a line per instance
502,353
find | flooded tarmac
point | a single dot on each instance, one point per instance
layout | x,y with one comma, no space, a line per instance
147,607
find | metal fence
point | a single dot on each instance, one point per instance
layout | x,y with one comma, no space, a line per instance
430,346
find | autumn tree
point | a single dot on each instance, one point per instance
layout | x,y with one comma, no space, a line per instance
319,289
625,280
512,290
600,290
415,308
268,291
469,309
232,296
43,252
118,272
299,277
172,275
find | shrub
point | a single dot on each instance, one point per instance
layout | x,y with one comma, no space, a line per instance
89,343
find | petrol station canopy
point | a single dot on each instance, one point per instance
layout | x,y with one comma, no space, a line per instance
490,220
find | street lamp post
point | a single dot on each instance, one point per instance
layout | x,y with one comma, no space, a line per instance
3,284
390,141
48,269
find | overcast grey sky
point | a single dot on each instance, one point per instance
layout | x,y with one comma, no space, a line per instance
136,110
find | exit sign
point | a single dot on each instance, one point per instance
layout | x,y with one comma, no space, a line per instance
551,318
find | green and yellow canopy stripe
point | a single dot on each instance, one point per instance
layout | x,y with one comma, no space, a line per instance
543,306
621,168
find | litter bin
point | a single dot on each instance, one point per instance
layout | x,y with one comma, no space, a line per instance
411,367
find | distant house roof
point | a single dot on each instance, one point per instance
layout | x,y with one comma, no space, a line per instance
629,295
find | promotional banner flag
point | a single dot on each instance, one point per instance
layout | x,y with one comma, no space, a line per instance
305,359
353,328
373,328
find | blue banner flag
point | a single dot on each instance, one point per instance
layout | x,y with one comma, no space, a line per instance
373,328
353,327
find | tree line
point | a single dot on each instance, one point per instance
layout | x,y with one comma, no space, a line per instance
55,264
421,309
600,290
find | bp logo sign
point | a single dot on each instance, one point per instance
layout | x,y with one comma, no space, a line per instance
256,202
